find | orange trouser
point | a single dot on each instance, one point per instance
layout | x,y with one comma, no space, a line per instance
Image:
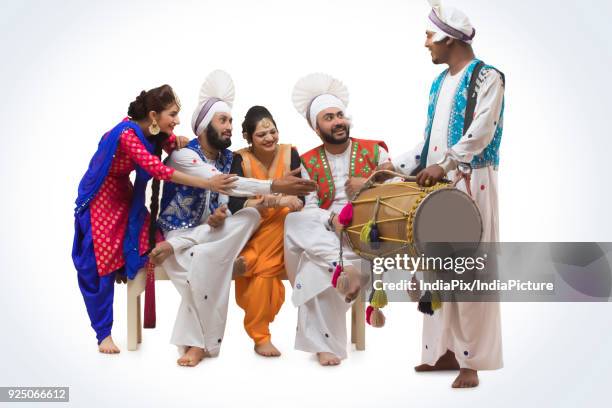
260,291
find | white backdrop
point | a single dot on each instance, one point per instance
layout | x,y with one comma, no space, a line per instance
70,69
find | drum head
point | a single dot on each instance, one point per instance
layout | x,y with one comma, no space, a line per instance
447,215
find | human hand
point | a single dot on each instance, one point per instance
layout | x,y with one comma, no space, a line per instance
353,185
291,202
430,176
217,218
290,184
181,141
221,183
161,251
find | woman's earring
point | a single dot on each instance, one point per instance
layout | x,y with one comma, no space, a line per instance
154,128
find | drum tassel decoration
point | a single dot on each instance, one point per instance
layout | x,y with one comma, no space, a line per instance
425,304
429,303
340,279
369,232
375,317
377,302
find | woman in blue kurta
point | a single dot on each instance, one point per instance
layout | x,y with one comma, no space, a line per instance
113,229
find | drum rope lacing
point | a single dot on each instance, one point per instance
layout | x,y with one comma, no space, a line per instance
406,215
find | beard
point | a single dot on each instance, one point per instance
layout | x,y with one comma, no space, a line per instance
329,137
214,138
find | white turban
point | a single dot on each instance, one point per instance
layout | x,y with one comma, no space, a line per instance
216,95
317,92
320,103
449,22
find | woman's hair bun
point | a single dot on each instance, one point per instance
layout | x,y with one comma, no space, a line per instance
137,109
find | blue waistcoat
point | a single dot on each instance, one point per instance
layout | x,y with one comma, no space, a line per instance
183,206
490,155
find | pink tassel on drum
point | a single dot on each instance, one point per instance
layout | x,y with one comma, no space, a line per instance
336,275
369,311
346,215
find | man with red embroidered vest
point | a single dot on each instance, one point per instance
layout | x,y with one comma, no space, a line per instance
311,244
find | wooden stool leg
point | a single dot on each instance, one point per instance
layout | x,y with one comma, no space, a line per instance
353,325
134,288
132,319
359,309
139,320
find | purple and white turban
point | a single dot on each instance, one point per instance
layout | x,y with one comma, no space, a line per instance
216,95
449,22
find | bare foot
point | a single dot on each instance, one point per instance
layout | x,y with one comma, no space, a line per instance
108,346
467,378
267,349
239,267
192,357
445,363
356,281
328,359
161,251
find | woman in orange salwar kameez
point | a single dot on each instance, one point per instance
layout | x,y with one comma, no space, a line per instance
259,290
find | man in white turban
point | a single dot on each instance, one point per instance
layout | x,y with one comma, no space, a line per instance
462,139
311,243
202,239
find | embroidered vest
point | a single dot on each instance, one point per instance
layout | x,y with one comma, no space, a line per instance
183,206
490,155
364,160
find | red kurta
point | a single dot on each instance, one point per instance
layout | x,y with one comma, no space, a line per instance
109,209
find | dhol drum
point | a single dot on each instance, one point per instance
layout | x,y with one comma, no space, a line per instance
403,218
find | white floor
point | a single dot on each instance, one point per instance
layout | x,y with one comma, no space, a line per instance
555,355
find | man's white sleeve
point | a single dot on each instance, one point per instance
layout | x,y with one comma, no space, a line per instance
383,156
188,161
405,163
312,200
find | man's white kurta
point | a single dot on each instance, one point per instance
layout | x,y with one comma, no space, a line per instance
471,330
201,267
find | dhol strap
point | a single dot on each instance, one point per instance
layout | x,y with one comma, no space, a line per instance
472,97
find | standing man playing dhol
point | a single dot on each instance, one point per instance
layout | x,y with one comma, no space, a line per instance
462,139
